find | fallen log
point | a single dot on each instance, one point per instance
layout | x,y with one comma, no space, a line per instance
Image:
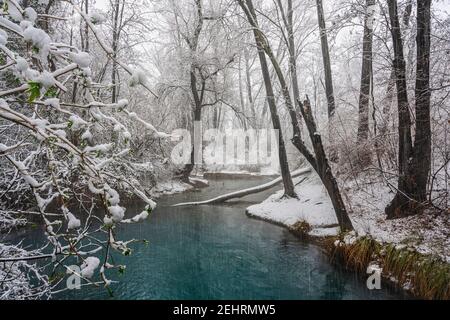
245,192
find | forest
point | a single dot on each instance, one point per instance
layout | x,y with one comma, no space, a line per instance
125,125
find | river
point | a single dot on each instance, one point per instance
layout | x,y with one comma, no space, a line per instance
217,252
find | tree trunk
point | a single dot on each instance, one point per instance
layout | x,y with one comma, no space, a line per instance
248,81
245,192
197,98
288,20
414,163
366,75
278,72
197,118
404,118
390,90
322,166
260,42
326,60
329,88
366,86
320,162
115,45
292,52
85,33
241,96
422,141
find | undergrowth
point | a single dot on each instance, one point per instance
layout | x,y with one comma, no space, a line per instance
427,277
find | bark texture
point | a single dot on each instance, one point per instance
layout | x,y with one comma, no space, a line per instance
414,161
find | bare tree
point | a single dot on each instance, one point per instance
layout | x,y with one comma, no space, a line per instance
414,161
263,47
321,165
318,160
366,81
118,10
202,75
329,87
326,59
288,21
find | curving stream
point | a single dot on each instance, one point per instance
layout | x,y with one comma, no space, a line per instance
217,252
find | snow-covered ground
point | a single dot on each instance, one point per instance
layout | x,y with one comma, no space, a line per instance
427,233
173,186
237,171
169,187
312,206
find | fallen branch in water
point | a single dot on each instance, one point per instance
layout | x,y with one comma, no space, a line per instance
245,192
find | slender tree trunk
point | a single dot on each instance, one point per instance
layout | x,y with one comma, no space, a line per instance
86,28
115,45
414,162
318,162
197,98
84,32
326,59
404,118
390,90
260,43
292,52
248,81
278,72
329,87
366,86
245,192
197,118
366,74
241,95
288,20
322,167
422,141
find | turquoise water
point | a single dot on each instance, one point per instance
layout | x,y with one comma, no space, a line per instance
217,252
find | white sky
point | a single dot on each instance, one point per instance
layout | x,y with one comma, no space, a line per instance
440,4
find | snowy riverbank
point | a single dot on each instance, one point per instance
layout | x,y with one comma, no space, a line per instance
366,211
413,253
175,186
312,206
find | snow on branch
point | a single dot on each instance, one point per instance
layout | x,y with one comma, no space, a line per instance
57,155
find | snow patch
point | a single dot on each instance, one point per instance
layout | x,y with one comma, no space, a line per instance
312,206
117,213
89,266
82,59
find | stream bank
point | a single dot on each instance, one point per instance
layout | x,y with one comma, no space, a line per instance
311,218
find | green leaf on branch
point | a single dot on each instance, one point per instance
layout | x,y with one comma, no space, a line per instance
34,91
110,292
51,92
122,270
55,277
